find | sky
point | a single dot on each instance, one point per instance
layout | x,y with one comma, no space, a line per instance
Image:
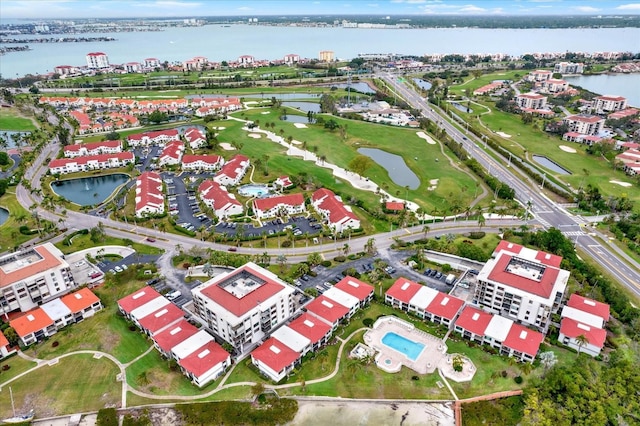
43,9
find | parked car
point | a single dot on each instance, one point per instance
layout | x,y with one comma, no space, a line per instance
118,269
151,240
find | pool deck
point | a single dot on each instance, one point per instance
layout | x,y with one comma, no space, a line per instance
390,360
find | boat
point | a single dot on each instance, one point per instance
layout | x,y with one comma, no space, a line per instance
18,418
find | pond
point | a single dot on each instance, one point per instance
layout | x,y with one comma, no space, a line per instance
423,84
10,136
303,106
4,215
550,164
398,170
358,87
89,190
462,108
296,118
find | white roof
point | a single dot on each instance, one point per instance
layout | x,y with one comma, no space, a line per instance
192,344
149,307
423,297
578,315
341,297
291,338
498,328
56,309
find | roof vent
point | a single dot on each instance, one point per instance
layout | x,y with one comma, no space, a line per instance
583,327
475,316
78,296
589,302
309,323
161,313
31,317
444,301
405,286
274,349
353,284
523,334
204,353
138,295
327,304
175,331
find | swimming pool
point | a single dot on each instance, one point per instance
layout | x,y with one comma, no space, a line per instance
408,348
253,190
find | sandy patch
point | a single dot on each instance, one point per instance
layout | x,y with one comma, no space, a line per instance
625,184
255,135
339,413
426,137
567,149
226,146
300,125
265,113
219,128
504,135
433,184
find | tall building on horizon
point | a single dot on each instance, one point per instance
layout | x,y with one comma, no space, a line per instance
97,60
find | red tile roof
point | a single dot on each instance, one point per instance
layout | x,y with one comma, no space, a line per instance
92,146
445,306
240,306
161,318
204,359
79,300
173,150
355,287
3,340
337,210
150,184
48,261
524,340
232,167
403,290
100,158
275,355
328,309
266,204
585,118
310,327
572,328
137,299
591,306
209,159
543,287
177,333
474,320
210,190
32,321
395,205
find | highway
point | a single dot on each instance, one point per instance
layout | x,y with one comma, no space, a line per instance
547,213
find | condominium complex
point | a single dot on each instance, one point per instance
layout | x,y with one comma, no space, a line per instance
33,276
522,284
243,306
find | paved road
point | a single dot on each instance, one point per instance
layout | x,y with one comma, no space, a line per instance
547,213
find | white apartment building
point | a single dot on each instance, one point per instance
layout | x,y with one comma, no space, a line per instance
91,162
241,307
607,103
274,206
568,68
31,277
531,101
233,171
219,200
97,60
584,124
337,216
522,284
149,194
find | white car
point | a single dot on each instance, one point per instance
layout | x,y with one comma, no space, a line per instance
124,267
118,269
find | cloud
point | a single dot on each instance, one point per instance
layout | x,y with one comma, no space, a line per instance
472,9
165,4
244,8
630,6
586,9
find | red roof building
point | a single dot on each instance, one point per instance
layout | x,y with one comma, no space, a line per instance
356,288
443,309
90,162
394,206
33,325
149,194
243,305
334,212
329,310
201,162
206,363
522,342
217,198
274,359
314,329
137,299
279,205
571,330
472,323
166,339
599,309
162,318
233,171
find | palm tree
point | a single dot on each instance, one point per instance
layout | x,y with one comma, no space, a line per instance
370,246
346,249
425,230
581,341
282,261
314,259
481,221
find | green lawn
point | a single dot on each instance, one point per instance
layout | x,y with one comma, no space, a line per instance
9,235
16,365
152,374
12,119
82,242
78,383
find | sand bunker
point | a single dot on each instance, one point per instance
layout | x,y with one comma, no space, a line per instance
426,137
255,135
433,184
226,146
625,184
504,135
265,113
300,125
218,128
567,149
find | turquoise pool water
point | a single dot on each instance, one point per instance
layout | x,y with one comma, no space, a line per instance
409,348
253,190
